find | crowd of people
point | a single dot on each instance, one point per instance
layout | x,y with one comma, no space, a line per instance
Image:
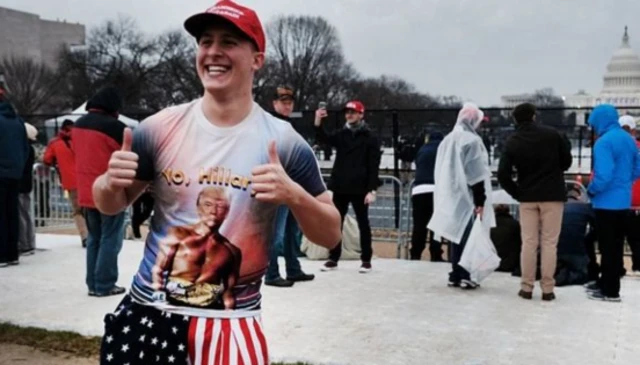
232,187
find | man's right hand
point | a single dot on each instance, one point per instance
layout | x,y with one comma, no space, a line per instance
123,164
320,114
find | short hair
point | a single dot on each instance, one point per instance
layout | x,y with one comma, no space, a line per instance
214,192
67,123
524,112
283,92
502,208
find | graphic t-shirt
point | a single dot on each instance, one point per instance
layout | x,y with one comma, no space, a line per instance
209,238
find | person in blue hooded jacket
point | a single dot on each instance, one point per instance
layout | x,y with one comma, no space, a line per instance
14,151
422,199
616,166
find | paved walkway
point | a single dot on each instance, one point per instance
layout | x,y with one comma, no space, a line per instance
401,313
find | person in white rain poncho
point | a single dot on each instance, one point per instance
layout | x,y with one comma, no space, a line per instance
462,189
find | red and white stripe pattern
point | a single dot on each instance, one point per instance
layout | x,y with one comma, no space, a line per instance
224,341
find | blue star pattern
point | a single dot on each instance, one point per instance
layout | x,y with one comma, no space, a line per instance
136,335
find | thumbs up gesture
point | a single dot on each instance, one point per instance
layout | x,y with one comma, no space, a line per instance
123,164
270,182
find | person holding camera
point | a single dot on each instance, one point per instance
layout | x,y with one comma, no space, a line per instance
354,177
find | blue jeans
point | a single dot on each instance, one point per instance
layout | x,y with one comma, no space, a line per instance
104,243
458,272
286,235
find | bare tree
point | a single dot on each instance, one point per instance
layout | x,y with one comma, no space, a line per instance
389,92
175,79
547,98
33,86
307,55
119,54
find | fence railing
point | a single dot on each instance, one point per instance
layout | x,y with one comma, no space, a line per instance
51,209
398,129
390,216
50,206
385,213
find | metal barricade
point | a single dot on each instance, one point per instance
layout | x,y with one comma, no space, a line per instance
403,248
50,206
385,214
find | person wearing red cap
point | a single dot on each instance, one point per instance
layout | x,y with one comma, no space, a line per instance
354,177
219,168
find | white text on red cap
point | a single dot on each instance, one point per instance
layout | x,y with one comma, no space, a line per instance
227,10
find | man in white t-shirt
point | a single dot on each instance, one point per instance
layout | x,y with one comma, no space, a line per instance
259,162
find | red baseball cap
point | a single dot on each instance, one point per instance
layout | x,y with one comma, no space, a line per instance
355,105
243,18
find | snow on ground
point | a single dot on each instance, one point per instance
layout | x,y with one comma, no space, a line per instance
401,313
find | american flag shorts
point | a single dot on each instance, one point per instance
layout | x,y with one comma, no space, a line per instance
138,334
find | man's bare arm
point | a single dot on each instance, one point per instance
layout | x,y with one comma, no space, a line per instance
318,218
111,201
162,263
118,187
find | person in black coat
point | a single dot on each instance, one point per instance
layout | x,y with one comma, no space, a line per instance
14,152
506,237
539,156
354,177
287,235
422,199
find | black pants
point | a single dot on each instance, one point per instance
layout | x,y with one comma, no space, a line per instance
610,225
593,269
632,233
422,212
341,201
142,209
9,219
458,272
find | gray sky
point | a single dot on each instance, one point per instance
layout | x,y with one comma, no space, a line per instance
478,50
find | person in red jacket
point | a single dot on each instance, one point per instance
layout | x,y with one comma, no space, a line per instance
633,224
95,137
60,154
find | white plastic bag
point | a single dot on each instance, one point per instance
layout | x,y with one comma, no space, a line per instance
350,243
479,257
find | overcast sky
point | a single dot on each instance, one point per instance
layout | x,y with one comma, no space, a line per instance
476,49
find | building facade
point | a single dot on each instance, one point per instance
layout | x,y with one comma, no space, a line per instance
26,35
621,85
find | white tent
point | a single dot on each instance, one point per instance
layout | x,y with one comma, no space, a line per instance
54,123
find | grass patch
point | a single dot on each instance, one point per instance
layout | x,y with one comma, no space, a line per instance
45,340
59,341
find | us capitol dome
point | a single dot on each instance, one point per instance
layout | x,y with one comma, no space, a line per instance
621,82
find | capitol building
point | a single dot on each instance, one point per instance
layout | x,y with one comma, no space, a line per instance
621,84
621,81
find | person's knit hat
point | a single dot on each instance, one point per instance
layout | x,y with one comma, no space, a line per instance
107,99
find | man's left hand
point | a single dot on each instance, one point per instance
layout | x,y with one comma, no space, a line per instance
270,182
370,198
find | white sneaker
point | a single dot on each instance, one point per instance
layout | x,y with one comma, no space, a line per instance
469,284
